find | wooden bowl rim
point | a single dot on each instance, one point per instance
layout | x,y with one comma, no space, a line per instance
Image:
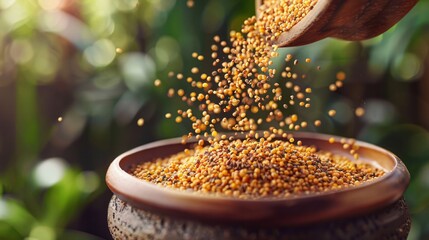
297,210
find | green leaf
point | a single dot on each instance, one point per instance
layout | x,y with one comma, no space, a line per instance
42,232
8,232
72,235
15,220
65,199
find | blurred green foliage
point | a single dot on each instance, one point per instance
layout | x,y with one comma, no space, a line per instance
93,63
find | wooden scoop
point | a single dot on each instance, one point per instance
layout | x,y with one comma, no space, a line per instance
351,20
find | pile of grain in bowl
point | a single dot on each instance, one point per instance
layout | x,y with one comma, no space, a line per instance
251,169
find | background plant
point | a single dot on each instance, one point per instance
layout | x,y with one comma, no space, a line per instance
76,75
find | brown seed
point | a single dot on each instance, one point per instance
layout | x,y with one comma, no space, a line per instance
341,76
359,112
194,70
140,122
190,3
333,87
317,123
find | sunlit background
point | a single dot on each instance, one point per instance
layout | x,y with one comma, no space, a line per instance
75,77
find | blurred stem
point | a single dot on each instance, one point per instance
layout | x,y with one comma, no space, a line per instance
27,138
27,122
421,207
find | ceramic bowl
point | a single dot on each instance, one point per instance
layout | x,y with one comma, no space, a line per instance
143,210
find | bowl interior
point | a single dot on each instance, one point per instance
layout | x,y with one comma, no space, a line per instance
368,153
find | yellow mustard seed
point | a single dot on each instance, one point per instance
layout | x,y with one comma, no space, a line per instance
190,3
140,122
252,169
359,112
341,76
194,70
317,123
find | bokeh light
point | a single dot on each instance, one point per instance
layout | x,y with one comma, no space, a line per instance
138,70
49,172
379,111
167,50
4,4
126,5
21,51
407,67
3,209
424,176
17,14
88,181
101,53
50,4
344,111
41,232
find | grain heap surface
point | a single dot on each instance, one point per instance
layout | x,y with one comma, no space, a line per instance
256,169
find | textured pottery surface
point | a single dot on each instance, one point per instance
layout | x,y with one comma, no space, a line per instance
127,222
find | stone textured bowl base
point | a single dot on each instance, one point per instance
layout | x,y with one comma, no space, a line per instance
126,222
